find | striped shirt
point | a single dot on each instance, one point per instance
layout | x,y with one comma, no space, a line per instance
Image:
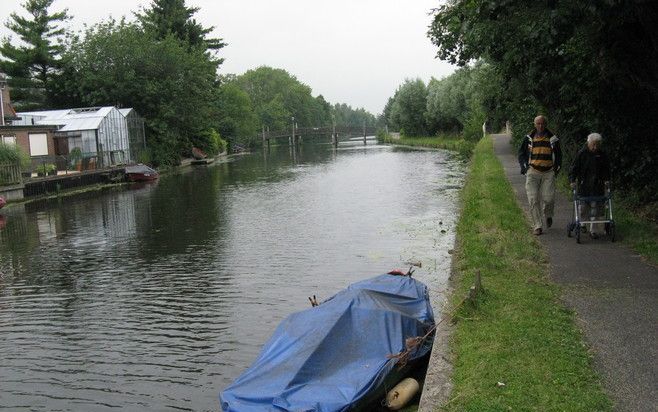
541,154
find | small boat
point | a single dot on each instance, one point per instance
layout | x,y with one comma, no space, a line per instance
140,173
340,355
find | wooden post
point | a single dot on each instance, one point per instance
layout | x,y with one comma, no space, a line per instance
476,289
364,132
268,137
334,137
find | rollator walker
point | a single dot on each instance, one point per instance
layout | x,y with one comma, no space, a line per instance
578,223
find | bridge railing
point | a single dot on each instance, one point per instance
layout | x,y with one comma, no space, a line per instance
318,131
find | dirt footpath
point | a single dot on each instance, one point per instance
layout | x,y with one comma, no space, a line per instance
613,292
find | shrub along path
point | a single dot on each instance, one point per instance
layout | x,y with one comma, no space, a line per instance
613,292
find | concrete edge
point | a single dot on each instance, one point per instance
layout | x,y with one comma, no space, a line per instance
438,382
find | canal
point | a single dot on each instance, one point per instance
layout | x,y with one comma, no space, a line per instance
156,296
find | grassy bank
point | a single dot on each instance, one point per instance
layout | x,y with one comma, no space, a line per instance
448,142
640,234
520,348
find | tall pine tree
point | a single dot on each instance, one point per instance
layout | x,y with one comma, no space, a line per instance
173,17
32,65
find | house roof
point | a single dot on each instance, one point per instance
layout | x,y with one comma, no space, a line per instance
88,118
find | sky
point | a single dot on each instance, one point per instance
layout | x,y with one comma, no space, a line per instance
355,52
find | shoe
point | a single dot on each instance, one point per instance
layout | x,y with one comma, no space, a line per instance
537,231
549,221
593,235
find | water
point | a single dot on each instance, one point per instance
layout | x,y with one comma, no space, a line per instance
156,296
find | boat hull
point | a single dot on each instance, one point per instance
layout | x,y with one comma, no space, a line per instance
140,173
141,177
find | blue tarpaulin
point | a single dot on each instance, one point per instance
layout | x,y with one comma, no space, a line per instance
329,357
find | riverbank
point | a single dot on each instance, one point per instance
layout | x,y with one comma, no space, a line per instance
611,289
454,143
107,184
520,348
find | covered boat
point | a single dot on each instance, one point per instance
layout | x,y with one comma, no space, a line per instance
337,356
140,173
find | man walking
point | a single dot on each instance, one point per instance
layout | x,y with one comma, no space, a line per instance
540,159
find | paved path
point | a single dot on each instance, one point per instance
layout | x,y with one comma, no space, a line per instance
614,293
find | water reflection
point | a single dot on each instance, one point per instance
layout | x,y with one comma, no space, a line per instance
155,296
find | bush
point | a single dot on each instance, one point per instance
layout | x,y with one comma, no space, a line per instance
144,157
10,153
473,127
211,142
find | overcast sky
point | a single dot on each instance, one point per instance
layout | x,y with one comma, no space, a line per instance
351,51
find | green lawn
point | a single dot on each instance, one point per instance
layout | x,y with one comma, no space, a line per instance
519,349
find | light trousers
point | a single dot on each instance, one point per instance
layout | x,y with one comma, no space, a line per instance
593,211
540,188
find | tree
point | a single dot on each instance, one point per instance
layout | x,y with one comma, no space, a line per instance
235,115
32,66
345,115
590,66
408,109
171,85
277,96
166,17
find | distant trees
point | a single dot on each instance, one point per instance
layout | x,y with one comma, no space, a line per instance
32,65
277,96
234,112
590,66
408,108
165,66
345,115
450,105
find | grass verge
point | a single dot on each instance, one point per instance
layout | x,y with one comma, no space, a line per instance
640,234
519,349
449,142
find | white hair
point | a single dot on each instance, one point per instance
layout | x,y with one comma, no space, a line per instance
594,137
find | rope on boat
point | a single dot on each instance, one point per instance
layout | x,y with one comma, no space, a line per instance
413,344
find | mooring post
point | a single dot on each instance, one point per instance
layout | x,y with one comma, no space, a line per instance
268,137
334,136
364,132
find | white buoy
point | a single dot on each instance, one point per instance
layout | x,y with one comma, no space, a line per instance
402,393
